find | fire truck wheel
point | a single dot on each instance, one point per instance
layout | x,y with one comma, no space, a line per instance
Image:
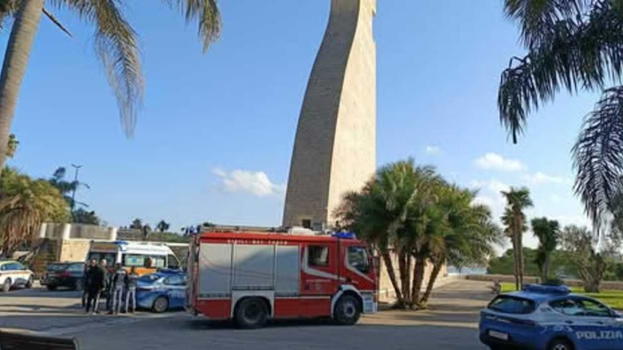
347,310
251,313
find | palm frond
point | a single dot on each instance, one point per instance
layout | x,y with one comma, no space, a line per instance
7,9
574,56
116,45
598,156
537,17
207,15
56,21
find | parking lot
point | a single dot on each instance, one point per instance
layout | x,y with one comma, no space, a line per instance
451,323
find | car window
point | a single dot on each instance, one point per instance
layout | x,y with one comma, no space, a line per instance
57,267
175,280
358,258
149,278
512,305
3,267
76,267
318,255
593,308
567,306
133,260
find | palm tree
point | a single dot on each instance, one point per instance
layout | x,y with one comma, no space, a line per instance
548,232
380,214
465,236
115,42
12,146
162,226
515,224
24,205
573,45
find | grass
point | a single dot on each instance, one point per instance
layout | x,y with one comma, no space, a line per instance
612,298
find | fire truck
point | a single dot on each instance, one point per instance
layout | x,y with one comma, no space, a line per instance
252,277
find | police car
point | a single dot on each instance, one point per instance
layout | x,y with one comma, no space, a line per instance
543,317
162,291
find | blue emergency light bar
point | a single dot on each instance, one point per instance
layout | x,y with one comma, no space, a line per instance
546,289
344,235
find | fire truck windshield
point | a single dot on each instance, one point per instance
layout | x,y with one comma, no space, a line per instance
358,258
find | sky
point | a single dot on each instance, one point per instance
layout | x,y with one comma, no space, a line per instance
215,134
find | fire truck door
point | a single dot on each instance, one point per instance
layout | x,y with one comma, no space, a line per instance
319,274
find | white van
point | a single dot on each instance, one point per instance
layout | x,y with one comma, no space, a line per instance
146,257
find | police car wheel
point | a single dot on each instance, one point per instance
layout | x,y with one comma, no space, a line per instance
347,310
161,304
6,286
29,283
560,344
251,313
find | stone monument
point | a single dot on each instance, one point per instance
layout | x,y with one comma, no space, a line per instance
335,146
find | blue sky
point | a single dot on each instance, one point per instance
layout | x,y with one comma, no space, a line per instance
215,135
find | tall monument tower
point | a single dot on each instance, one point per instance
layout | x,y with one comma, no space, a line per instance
335,146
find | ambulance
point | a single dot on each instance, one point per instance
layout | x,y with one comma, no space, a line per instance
146,257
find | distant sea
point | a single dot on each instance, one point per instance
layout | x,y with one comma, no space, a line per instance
467,270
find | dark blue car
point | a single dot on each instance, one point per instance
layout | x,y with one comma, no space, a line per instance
162,291
544,317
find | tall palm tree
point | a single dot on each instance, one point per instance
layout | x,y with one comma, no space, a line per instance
465,236
24,205
115,42
380,212
548,232
573,45
515,222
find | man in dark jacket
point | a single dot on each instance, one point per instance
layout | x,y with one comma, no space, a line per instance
95,283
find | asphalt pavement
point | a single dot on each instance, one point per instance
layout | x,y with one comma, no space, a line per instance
451,323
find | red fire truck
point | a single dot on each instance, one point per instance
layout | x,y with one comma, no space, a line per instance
251,277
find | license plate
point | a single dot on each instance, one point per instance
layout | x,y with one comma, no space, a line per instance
498,335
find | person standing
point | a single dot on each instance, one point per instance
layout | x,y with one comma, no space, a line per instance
117,287
107,283
131,281
95,283
85,281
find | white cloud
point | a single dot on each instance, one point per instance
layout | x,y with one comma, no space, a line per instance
490,195
540,178
254,182
433,150
494,161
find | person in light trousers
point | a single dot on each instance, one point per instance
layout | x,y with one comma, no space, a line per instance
117,288
131,281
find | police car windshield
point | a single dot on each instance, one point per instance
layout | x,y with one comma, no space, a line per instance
512,305
149,278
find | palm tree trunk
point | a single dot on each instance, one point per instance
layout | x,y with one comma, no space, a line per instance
389,266
14,67
431,283
521,259
418,280
545,274
515,261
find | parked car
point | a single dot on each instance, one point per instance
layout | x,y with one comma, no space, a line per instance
14,274
543,317
162,291
64,274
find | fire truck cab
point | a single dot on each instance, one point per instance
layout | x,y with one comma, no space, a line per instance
251,277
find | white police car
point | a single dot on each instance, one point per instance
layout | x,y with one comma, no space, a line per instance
544,317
